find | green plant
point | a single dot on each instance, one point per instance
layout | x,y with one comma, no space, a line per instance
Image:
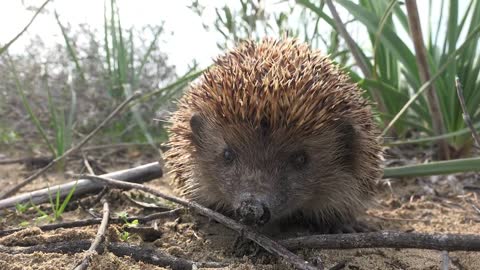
395,72
7,135
62,127
58,207
24,224
124,216
124,236
22,207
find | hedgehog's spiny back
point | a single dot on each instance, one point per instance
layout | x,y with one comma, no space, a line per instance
283,82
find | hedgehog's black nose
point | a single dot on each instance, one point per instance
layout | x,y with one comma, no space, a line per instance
252,211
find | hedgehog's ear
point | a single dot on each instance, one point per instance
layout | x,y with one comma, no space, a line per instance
197,125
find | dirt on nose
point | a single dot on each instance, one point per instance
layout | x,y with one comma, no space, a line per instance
253,212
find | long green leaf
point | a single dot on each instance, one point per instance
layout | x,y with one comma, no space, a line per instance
434,168
450,59
67,199
389,37
465,131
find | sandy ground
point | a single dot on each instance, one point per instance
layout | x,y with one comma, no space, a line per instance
437,204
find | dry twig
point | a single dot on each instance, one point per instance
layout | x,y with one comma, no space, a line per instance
87,222
39,10
26,160
99,238
386,239
265,242
138,253
445,260
141,173
466,115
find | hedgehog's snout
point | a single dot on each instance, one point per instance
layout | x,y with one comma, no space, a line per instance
252,211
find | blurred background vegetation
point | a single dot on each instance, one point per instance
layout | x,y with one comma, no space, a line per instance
51,96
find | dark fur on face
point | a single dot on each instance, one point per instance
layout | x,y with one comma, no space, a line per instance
274,130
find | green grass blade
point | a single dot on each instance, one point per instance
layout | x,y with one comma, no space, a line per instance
180,82
27,106
440,20
138,118
460,132
55,122
107,49
434,168
71,118
399,97
425,86
40,211
57,203
383,22
122,56
113,33
389,38
318,11
66,200
70,49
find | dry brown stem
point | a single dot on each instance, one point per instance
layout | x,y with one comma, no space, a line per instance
433,103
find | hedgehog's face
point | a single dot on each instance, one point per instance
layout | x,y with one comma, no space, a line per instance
262,175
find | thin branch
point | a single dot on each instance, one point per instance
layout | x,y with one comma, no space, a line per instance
4,48
141,173
93,221
99,238
466,115
139,253
71,150
123,145
87,164
433,103
265,242
386,239
445,260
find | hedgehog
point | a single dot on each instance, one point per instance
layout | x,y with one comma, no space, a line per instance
273,131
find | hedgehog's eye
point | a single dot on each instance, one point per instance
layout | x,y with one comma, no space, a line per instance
299,160
228,155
